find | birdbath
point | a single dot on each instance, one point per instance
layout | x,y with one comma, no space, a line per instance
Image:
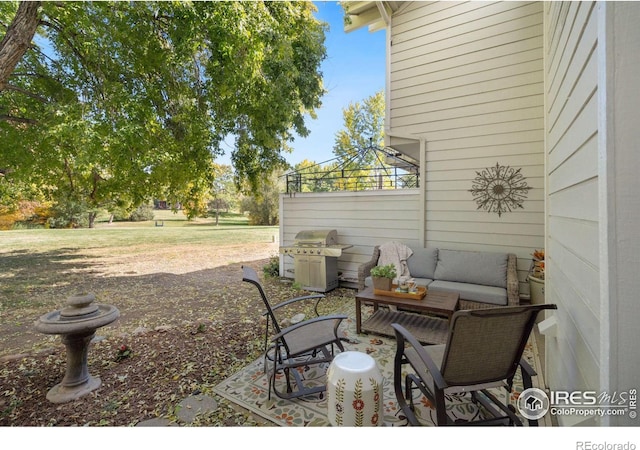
76,323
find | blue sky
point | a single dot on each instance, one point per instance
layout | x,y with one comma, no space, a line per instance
353,70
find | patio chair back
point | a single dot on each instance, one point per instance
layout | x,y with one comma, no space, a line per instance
249,275
485,346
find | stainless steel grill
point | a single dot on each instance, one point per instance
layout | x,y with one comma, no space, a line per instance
315,254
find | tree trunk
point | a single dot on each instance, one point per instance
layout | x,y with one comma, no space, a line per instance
92,219
18,39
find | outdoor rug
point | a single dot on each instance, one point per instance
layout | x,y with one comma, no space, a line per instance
249,388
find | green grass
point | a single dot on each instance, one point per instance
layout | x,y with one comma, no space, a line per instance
177,219
175,230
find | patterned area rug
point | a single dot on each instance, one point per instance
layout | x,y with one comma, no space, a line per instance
249,388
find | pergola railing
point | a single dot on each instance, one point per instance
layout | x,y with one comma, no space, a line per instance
356,173
351,180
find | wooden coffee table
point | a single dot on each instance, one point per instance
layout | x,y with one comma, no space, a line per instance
427,319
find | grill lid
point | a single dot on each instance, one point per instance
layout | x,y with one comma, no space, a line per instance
316,237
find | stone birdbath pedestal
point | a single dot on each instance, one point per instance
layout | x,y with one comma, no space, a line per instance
76,323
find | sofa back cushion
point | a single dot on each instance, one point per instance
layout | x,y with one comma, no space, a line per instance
422,264
486,268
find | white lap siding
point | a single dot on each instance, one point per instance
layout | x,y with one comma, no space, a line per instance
468,78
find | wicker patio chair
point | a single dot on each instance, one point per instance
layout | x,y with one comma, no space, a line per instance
483,351
292,349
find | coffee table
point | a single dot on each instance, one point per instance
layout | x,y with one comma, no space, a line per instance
427,319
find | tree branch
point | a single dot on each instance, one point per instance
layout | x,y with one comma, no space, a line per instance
18,39
23,120
27,93
69,173
69,40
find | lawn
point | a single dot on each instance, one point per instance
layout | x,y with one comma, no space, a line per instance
175,230
184,311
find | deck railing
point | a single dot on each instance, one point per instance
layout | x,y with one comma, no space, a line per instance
352,180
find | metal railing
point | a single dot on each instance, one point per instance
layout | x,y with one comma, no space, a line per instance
352,180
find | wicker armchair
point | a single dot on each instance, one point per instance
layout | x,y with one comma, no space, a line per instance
364,270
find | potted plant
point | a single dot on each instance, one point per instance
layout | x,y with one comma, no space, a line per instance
536,280
382,276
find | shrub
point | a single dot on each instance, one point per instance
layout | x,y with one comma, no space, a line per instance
142,213
25,214
272,268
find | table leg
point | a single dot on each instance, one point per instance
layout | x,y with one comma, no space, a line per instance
358,315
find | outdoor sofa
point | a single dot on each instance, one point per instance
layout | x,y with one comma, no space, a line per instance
483,279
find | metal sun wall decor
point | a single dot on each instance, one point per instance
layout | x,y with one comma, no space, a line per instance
499,189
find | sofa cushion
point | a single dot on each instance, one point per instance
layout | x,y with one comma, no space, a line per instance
474,292
485,268
422,264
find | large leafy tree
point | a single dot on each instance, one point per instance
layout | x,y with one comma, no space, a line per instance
224,193
363,130
107,103
357,153
357,143
263,204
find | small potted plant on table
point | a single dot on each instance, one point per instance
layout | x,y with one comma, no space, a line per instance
383,276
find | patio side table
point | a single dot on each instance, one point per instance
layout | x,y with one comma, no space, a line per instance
354,391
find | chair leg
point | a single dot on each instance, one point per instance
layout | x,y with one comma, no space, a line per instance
500,413
292,376
287,377
272,381
441,411
407,409
408,391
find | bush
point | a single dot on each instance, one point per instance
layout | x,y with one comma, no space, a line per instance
8,218
142,213
272,268
26,214
69,213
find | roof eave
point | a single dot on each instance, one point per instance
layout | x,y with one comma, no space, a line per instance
374,15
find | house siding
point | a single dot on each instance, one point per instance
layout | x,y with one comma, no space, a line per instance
468,77
361,219
591,67
573,217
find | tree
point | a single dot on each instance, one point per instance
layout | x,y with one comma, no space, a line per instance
223,190
17,39
309,176
363,128
355,145
126,100
263,205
